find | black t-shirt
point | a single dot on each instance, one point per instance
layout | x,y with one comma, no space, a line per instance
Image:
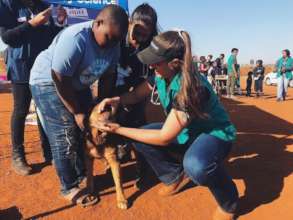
139,72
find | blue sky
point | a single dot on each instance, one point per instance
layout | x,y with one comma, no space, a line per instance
259,28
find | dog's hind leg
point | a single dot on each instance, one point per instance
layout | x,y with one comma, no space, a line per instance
90,176
116,172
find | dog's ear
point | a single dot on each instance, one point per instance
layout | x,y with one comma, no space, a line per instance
107,108
100,137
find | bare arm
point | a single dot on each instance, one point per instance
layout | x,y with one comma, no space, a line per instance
67,95
174,124
66,92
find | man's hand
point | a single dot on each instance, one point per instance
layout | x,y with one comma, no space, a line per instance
41,18
79,119
113,102
61,15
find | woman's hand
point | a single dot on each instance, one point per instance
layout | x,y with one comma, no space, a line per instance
41,18
113,102
79,119
108,127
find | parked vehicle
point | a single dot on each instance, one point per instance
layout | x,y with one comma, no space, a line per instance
271,79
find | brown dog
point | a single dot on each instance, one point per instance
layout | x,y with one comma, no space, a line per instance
101,145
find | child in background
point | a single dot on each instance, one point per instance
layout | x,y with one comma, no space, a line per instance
249,83
213,72
258,73
203,66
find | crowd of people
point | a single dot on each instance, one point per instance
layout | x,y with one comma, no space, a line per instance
61,69
225,76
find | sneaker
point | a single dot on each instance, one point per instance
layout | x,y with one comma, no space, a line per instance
20,166
279,100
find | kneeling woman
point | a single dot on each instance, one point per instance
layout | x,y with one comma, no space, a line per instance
196,121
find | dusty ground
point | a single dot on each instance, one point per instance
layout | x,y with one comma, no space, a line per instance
261,164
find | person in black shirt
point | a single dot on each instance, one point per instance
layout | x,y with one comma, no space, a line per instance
131,72
27,27
258,73
249,83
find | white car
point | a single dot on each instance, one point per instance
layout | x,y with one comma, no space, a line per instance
271,79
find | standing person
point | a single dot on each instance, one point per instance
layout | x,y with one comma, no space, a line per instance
258,73
232,73
210,60
222,59
249,83
238,82
197,125
214,71
284,68
27,27
223,64
203,66
60,83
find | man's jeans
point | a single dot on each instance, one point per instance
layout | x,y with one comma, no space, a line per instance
63,134
282,89
202,162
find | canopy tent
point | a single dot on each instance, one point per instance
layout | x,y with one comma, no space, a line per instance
84,10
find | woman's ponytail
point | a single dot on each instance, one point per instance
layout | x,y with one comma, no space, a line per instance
190,94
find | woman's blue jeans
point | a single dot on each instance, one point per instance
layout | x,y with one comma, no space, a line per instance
202,162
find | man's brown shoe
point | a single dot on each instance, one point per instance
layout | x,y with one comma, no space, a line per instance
168,190
222,215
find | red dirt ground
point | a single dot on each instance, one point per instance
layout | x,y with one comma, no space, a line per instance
261,164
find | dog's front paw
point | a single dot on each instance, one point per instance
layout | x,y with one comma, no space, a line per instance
122,204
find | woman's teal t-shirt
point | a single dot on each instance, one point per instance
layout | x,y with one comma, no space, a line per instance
218,124
288,64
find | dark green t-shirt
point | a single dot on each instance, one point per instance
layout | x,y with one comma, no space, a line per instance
231,61
218,124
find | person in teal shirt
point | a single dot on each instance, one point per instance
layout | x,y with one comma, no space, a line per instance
232,73
197,125
284,67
